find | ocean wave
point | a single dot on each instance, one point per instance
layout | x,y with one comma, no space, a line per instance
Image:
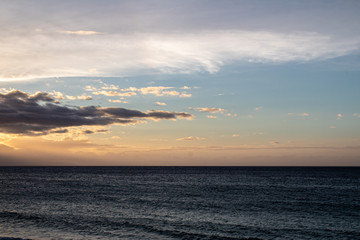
11,238
143,224
16,215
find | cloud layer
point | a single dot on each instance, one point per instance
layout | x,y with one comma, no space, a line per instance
50,54
41,114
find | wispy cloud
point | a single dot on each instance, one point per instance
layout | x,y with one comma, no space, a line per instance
186,87
182,52
114,93
110,87
299,114
79,32
340,116
81,97
90,88
130,89
159,91
185,95
207,109
160,103
190,138
117,101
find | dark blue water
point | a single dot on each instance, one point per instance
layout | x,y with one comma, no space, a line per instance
179,203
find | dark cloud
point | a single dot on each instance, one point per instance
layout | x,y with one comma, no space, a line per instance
40,113
103,131
88,132
60,131
127,113
97,131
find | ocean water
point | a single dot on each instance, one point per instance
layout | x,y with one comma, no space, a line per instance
179,203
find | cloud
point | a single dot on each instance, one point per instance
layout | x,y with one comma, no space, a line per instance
160,103
131,89
258,108
81,97
90,88
161,91
5,90
71,97
185,95
299,114
122,54
57,95
191,138
74,133
158,91
79,32
88,131
127,94
357,115
235,135
207,109
4,147
114,93
60,131
84,97
117,101
40,113
340,116
110,87
211,116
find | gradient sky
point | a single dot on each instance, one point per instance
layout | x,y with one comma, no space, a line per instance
152,82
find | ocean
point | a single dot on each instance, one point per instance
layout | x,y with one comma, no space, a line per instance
180,203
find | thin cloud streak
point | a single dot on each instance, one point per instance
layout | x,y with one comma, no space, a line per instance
81,97
207,109
159,91
79,32
299,114
190,138
160,104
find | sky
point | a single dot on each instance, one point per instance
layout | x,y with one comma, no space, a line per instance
180,83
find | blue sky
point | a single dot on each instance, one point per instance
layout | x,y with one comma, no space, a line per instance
235,82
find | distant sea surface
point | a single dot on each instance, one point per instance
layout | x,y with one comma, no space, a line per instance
179,203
